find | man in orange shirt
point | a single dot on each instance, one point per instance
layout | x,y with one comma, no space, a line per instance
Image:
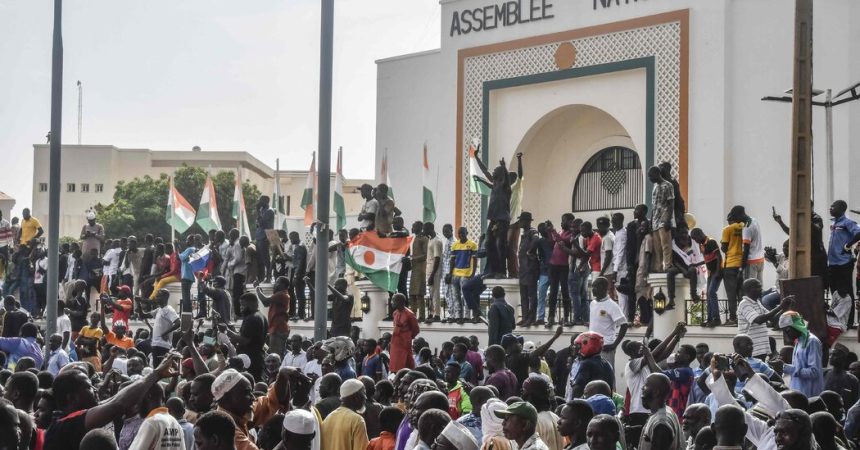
116,337
389,420
122,306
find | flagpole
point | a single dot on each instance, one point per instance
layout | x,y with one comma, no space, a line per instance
323,169
54,169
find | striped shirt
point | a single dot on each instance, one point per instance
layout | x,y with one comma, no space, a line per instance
748,310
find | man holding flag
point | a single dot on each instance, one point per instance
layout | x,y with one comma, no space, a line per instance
187,275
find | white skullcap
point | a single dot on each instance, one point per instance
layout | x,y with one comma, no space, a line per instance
350,387
459,436
246,360
224,382
91,215
299,421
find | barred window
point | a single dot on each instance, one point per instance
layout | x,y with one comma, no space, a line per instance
100,187
43,187
611,179
85,187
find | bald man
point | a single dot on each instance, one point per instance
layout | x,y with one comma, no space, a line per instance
662,430
696,417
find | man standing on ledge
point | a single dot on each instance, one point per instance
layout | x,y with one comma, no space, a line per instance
30,229
405,330
499,215
265,221
92,234
662,218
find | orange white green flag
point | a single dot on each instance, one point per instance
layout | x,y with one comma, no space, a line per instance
180,214
379,259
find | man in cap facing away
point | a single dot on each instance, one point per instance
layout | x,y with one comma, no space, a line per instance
300,430
520,424
235,396
455,436
344,428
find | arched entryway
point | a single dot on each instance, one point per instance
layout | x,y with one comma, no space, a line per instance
580,149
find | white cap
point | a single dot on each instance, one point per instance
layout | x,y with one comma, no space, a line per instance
350,387
299,421
225,382
246,360
91,215
460,436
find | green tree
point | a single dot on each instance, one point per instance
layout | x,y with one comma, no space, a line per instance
139,206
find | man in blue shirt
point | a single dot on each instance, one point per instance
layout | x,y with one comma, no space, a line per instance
844,233
805,368
19,347
187,274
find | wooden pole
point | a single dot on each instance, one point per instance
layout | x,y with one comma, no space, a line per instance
800,237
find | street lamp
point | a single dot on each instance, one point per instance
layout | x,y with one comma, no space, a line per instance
829,102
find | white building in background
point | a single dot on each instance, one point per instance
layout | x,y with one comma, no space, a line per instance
90,174
592,92
6,205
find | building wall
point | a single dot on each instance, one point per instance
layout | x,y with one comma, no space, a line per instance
106,165
6,206
738,146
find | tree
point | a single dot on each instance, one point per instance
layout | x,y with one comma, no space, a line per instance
139,206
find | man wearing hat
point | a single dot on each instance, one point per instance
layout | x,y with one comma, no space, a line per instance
92,234
300,430
528,270
805,368
520,422
235,396
344,428
221,299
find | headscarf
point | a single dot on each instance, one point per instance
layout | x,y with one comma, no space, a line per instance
601,404
339,348
417,388
793,319
491,425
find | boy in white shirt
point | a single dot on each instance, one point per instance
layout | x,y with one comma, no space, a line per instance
605,317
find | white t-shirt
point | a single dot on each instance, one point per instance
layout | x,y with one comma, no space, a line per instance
332,262
606,315
70,268
164,319
607,244
635,380
112,258
298,361
369,208
160,431
752,235
64,324
38,277
619,253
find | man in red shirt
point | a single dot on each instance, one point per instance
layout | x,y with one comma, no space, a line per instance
279,314
122,306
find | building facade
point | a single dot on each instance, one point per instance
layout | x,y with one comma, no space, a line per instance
90,174
594,92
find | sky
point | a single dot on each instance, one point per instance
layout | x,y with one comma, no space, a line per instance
224,75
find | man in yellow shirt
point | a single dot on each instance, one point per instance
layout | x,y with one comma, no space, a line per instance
732,244
462,264
30,229
344,428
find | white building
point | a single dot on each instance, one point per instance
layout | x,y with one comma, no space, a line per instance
90,174
6,205
599,90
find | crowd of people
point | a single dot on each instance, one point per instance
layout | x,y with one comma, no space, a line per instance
126,370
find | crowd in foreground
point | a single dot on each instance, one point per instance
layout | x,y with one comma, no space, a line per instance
212,386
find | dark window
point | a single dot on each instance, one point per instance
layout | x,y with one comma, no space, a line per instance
43,187
611,179
100,187
287,209
85,187
70,187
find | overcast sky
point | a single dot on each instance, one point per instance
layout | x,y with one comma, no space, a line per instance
224,75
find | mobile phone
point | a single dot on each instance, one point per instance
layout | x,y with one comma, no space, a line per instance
722,362
209,340
187,321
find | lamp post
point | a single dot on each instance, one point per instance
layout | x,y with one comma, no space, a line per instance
829,102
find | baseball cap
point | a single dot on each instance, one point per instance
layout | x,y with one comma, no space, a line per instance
521,409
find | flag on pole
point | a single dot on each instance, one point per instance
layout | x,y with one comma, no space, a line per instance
384,173
379,259
207,212
429,203
239,212
308,194
278,203
477,181
180,214
339,207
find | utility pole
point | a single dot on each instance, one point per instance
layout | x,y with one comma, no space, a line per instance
323,171
800,235
54,169
80,109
